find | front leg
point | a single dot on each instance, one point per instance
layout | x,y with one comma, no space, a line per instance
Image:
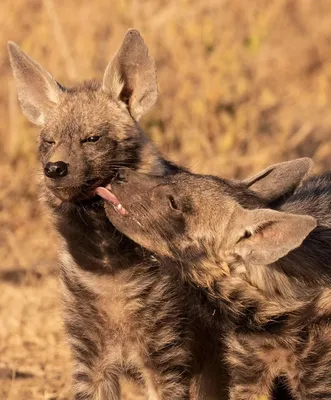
95,385
96,371
169,384
311,376
249,384
168,372
95,377
251,377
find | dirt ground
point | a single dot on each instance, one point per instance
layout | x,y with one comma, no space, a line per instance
241,85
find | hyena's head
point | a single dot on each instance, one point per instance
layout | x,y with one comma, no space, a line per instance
189,217
88,131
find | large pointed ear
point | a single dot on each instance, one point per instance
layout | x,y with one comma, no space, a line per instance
131,76
38,92
263,236
279,179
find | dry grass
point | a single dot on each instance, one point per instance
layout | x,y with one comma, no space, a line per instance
242,84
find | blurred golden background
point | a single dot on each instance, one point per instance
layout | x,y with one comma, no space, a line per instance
242,84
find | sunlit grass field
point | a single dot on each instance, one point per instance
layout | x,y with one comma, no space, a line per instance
241,85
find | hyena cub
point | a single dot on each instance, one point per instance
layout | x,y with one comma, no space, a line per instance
123,314
267,270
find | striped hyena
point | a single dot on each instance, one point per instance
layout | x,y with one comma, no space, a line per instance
123,313
265,264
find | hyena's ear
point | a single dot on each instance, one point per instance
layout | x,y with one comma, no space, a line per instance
38,92
280,179
264,236
131,76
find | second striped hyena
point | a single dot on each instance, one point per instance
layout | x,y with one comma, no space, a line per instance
267,270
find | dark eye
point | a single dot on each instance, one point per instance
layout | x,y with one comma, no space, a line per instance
92,139
173,203
50,142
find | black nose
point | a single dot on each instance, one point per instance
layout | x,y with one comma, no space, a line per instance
122,175
56,169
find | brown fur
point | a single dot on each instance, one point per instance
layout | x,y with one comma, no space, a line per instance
123,313
267,271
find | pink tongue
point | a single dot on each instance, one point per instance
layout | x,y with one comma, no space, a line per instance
111,198
107,195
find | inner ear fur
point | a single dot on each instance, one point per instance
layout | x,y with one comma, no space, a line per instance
38,92
264,235
279,180
131,76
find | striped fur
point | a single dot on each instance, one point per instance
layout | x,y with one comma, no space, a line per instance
123,314
132,324
275,318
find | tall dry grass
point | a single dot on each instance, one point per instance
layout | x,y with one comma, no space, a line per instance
242,84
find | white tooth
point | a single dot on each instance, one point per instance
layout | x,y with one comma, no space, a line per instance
119,206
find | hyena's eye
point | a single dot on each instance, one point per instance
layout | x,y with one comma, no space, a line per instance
172,203
91,139
49,141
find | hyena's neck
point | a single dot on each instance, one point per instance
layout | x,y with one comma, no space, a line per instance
240,300
90,238
301,274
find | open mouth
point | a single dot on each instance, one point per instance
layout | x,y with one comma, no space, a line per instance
107,194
